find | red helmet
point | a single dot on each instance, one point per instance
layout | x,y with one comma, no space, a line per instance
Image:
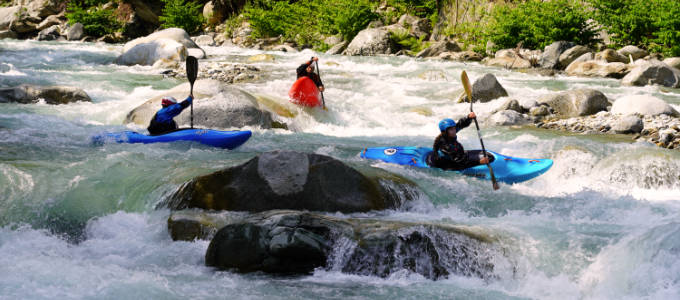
167,101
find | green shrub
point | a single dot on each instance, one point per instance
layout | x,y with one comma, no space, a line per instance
537,24
652,24
96,20
304,22
408,42
187,15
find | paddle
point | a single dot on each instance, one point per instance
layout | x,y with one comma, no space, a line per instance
192,72
468,91
318,72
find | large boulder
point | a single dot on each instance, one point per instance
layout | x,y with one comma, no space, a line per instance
51,94
160,53
644,105
216,11
571,54
51,21
176,34
418,27
216,105
75,32
291,242
437,48
8,15
371,41
551,54
292,180
487,88
40,8
633,51
509,63
49,34
652,72
461,56
596,68
581,102
609,55
673,62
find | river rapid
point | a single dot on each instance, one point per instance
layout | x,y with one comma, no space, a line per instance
79,221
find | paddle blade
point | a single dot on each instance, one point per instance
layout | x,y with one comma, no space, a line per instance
466,85
192,68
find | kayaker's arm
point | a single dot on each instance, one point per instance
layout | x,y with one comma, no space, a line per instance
174,110
464,122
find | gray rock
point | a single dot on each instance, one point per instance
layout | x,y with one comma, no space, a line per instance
204,40
8,15
437,48
652,72
633,51
292,180
511,104
506,118
628,124
487,88
609,55
595,68
643,104
291,242
673,62
49,34
539,111
551,55
284,48
51,94
571,54
418,27
176,34
338,48
216,105
585,57
581,102
40,8
75,32
7,34
371,41
49,21
461,56
509,63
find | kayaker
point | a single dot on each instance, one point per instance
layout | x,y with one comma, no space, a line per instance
447,152
307,69
162,121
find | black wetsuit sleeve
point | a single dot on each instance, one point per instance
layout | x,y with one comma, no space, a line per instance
317,80
186,103
436,146
462,123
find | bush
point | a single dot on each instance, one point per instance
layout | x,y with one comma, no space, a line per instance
305,21
408,42
652,24
537,24
96,20
177,13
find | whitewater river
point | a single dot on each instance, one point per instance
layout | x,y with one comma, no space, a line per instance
79,221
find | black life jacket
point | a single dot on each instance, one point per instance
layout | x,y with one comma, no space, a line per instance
156,128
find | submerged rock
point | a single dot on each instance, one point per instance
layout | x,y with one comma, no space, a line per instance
292,180
51,94
292,242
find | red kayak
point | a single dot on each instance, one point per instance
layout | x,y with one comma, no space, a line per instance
304,92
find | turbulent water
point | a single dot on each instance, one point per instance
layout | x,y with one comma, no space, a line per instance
79,221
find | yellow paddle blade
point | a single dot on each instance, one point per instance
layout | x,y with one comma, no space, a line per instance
466,85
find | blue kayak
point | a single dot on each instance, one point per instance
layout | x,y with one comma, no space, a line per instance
506,168
215,138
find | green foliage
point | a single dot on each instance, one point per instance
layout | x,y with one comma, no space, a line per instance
470,34
182,14
96,20
306,21
537,24
652,24
5,3
406,41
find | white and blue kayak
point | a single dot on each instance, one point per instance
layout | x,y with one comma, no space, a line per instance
506,168
215,138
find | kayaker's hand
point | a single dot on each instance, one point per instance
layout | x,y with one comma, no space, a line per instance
321,88
315,58
472,115
484,160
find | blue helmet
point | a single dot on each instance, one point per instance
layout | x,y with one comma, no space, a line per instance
446,123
